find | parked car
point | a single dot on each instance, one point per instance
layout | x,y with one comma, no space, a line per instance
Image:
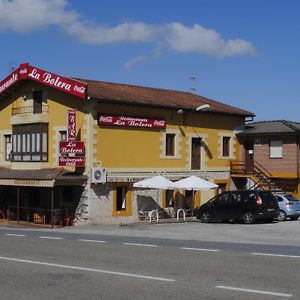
248,206
289,207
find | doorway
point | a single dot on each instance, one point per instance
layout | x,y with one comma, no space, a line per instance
196,154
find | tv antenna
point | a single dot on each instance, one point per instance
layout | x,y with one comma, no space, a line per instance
193,78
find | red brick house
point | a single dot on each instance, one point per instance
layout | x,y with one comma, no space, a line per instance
269,156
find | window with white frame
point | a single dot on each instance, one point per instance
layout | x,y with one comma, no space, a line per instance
276,149
30,142
8,146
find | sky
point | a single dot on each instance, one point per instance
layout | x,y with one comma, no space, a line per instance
243,53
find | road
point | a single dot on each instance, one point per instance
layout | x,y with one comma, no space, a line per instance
128,264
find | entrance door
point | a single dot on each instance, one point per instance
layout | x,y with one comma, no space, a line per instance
249,156
196,154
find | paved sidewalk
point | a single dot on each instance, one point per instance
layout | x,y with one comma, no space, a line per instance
281,233
276,233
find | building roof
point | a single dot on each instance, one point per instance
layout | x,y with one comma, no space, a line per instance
271,127
138,95
116,92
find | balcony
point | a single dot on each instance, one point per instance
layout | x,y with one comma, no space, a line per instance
30,114
44,109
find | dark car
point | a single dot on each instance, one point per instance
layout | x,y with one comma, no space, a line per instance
248,206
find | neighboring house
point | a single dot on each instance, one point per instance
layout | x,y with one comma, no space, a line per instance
269,156
117,134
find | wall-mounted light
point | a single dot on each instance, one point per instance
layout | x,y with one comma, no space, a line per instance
202,107
180,111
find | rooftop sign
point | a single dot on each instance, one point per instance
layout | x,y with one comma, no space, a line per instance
25,71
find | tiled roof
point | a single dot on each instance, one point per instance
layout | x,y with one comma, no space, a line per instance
271,127
130,94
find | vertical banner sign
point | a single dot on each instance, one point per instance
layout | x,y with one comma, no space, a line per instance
71,123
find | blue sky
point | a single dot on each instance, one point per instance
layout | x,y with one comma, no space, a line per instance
242,52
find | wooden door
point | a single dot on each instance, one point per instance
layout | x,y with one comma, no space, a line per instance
196,154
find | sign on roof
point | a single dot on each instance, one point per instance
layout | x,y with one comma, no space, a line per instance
25,71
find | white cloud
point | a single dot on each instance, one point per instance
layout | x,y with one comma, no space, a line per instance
134,61
30,15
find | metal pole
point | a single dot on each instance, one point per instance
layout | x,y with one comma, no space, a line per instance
52,204
18,203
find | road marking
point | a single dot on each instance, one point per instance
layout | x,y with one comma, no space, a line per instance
92,241
13,234
86,269
275,255
252,291
141,245
200,249
50,237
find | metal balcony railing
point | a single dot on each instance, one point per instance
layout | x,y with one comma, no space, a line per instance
30,110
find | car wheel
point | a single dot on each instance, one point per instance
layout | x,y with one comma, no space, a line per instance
248,217
205,217
294,218
281,216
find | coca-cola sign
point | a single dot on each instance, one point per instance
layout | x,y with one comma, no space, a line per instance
131,121
61,83
72,161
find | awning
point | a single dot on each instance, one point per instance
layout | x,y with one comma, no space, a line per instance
27,182
40,178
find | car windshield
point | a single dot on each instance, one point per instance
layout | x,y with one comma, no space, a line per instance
291,198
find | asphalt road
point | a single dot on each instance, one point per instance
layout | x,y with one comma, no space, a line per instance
151,262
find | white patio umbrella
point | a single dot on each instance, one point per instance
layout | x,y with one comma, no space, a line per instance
194,183
157,182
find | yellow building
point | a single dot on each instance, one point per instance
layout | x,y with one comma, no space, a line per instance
74,147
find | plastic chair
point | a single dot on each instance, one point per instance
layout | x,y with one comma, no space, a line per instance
2,213
68,219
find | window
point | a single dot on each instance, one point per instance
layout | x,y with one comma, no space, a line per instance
275,149
62,135
226,146
170,144
30,142
8,147
37,102
121,198
169,198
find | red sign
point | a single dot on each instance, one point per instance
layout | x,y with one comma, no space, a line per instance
72,161
131,121
64,84
67,148
71,123
9,81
